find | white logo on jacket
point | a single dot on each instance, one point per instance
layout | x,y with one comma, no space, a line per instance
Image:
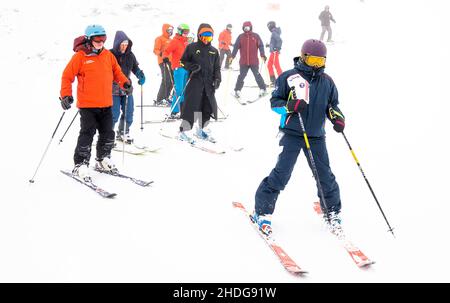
300,86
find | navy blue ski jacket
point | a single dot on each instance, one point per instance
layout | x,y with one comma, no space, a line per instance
275,40
322,94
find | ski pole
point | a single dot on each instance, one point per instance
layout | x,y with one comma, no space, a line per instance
48,145
225,116
178,99
311,158
124,129
61,140
142,108
368,184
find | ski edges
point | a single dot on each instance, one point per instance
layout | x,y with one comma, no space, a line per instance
91,185
119,175
360,259
283,257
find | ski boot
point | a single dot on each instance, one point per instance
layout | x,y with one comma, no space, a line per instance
264,223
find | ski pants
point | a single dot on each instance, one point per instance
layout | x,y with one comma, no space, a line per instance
166,82
326,28
267,193
92,119
119,106
180,76
243,73
223,53
274,61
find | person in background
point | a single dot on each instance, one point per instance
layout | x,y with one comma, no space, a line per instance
175,49
325,17
248,43
161,43
274,48
224,46
95,69
202,60
123,101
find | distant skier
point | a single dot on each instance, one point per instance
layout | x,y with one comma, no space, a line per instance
128,63
248,44
274,47
161,43
317,99
224,46
202,60
95,68
325,17
176,49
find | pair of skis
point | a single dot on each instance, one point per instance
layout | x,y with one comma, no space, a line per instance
134,149
102,192
288,263
195,144
248,101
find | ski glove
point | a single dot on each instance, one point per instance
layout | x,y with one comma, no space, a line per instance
166,60
127,88
216,83
195,68
264,58
295,105
66,102
140,75
337,118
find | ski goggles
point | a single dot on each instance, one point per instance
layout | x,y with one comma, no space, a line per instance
315,61
206,37
99,39
184,32
169,30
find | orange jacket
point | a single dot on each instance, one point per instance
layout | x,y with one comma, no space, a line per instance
176,49
162,42
95,75
225,39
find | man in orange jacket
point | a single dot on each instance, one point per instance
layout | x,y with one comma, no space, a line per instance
95,68
161,44
224,45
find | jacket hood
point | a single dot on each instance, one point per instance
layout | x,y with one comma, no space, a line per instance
119,38
247,23
164,30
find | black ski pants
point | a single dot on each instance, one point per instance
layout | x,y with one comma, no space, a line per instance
243,73
166,82
92,119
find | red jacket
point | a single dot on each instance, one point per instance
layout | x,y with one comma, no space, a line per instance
176,49
162,42
225,39
248,44
95,75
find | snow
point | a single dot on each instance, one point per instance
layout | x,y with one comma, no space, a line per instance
390,65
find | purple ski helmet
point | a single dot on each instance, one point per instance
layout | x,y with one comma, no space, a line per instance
314,47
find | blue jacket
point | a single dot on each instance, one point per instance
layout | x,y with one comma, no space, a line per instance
275,40
322,95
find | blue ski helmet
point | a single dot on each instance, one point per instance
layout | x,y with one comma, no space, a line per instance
94,30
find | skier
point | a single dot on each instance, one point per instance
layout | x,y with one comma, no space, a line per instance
175,49
202,60
161,44
128,63
95,68
275,47
317,99
325,17
224,45
248,44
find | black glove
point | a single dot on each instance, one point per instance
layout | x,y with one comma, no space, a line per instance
216,83
230,60
264,58
267,45
295,105
127,88
166,60
66,102
195,68
338,119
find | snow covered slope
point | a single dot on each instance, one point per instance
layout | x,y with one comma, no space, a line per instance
390,64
